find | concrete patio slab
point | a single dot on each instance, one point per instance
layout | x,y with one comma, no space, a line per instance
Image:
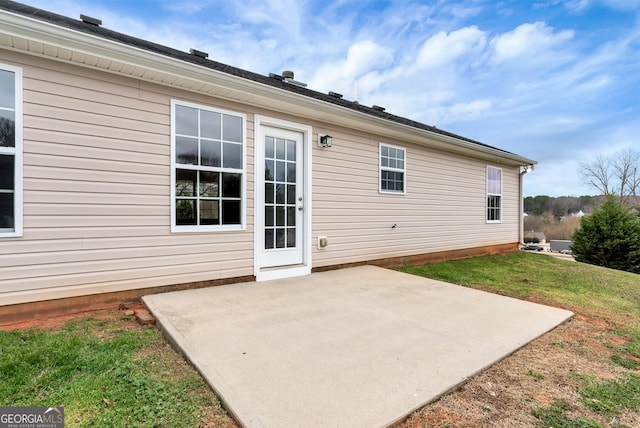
359,347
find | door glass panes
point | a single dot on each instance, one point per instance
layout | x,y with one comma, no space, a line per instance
281,170
269,239
280,196
280,193
269,147
268,193
291,194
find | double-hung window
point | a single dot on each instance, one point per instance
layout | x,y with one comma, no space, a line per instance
10,151
494,194
208,169
392,169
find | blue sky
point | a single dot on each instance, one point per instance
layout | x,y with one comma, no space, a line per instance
557,81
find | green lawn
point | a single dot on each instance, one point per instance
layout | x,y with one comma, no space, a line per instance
107,372
593,291
605,294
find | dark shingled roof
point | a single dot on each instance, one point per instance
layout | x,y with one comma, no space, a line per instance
272,80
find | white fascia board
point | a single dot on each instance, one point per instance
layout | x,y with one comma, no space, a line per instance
233,87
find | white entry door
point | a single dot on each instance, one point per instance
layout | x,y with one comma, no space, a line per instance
281,188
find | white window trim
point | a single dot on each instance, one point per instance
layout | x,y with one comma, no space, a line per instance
243,203
16,151
386,168
486,210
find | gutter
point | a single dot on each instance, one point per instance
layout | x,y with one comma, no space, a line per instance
526,169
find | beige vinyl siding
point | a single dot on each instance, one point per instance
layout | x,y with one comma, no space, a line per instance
96,191
444,207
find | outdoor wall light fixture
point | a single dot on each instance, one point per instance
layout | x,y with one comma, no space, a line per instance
526,169
325,140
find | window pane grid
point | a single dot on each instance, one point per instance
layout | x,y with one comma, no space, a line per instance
280,192
392,169
202,138
209,152
494,194
9,147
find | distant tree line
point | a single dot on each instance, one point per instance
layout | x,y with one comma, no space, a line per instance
561,206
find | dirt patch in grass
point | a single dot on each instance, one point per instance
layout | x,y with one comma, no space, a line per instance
549,369
58,321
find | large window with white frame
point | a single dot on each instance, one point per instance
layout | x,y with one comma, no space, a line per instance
494,194
208,168
10,151
392,169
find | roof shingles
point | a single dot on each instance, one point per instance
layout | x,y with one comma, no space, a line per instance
273,80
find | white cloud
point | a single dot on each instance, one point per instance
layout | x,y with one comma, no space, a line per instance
577,5
469,110
443,49
529,42
361,62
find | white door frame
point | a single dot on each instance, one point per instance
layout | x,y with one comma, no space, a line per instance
263,274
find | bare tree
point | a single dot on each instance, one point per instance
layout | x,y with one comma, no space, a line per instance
597,174
625,167
617,175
